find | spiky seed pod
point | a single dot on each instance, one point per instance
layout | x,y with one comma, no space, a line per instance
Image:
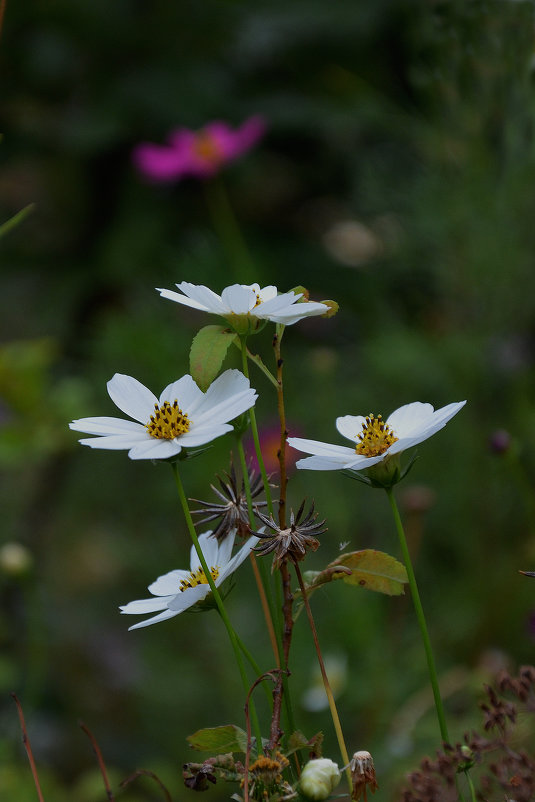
293,542
233,511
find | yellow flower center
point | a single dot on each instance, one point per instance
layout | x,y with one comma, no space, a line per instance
198,577
258,301
376,436
207,148
168,421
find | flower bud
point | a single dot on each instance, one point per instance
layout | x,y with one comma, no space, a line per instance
318,778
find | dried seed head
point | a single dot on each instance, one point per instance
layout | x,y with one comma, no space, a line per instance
233,511
362,774
293,542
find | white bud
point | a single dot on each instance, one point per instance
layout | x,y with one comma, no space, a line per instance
318,778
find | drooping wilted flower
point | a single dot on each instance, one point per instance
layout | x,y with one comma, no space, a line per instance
362,775
293,542
233,512
319,778
183,416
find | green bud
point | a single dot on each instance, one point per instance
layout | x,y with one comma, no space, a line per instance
319,778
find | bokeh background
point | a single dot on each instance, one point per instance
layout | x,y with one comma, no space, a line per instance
397,176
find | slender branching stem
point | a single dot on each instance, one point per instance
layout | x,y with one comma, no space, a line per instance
217,596
420,616
259,569
283,433
326,684
27,746
280,602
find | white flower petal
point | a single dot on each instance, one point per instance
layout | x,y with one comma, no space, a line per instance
265,293
410,418
278,304
226,398
238,558
116,442
171,295
239,298
169,584
155,448
105,425
321,449
200,435
186,392
204,296
154,620
142,606
132,397
209,549
320,463
189,597
225,548
350,426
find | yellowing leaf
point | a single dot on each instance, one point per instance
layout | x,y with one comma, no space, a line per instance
208,350
373,570
228,738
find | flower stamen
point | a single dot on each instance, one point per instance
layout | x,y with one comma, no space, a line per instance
168,421
376,437
198,577
207,149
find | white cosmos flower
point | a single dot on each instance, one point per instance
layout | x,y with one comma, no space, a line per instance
183,416
180,589
250,300
374,439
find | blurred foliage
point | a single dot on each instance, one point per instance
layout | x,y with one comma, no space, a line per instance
397,178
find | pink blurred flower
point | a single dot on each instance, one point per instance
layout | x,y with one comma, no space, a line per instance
196,153
269,435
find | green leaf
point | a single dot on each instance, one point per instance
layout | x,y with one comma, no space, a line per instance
208,350
370,569
228,738
298,741
373,570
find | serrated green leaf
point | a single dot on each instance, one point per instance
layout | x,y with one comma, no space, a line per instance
298,741
228,738
208,350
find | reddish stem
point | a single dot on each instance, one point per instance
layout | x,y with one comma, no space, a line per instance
102,765
25,739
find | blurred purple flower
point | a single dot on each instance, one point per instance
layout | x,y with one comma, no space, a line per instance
196,153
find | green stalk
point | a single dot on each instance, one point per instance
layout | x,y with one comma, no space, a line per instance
266,589
228,230
218,600
420,616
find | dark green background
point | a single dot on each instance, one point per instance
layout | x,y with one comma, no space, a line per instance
414,119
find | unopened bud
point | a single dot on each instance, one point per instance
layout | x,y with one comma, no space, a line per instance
362,774
318,778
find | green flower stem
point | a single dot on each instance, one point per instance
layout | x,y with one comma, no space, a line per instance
218,600
265,588
254,429
256,668
420,616
228,230
326,683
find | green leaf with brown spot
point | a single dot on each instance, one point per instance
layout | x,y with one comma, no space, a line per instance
373,570
208,350
368,568
228,738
